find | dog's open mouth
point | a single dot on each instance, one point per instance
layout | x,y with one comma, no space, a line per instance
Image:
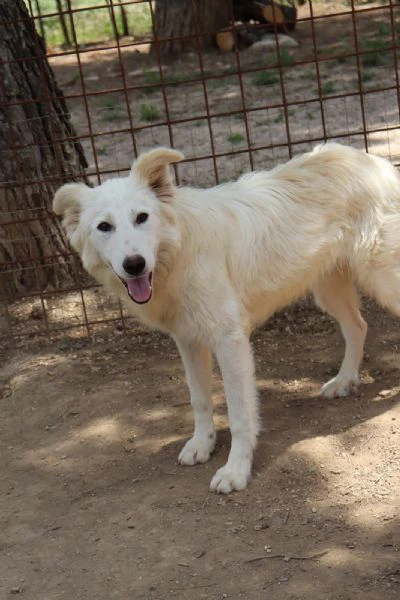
139,288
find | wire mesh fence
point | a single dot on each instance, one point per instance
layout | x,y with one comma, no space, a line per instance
264,94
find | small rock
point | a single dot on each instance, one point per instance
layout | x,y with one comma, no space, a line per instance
262,525
36,313
269,41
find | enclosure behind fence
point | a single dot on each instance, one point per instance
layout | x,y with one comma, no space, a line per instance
236,85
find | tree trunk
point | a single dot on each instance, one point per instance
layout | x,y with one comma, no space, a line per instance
199,18
124,19
63,24
33,118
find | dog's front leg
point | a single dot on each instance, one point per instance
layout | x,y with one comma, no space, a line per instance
235,359
197,361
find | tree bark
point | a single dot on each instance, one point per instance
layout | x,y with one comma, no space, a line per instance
200,19
35,160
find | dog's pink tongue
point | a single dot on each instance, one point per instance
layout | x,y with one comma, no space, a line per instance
139,288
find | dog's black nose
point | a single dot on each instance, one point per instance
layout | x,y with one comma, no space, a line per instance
134,265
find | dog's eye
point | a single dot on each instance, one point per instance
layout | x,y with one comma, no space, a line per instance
104,226
141,218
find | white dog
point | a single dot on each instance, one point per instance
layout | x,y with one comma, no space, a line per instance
210,265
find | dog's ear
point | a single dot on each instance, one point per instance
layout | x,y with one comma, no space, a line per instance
67,202
152,168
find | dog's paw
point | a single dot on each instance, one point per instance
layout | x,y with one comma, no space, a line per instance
230,478
197,450
339,387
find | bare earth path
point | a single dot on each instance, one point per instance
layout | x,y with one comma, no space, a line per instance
93,505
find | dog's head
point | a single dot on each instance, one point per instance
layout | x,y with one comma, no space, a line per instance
117,224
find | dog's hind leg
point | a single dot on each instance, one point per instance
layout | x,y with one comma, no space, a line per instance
235,359
197,361
381,279
335,293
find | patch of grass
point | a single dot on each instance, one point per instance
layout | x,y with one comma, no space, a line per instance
265,78
212,84
371,60
383,29
231,70
375,44
281,116
327,88
154,77
375,48
111,109
110,103
308,74
285,58
74,78
67,344
367,76
94,24
101,150
310,115
148,112
235,138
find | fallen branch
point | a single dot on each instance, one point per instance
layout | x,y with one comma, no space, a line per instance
288,557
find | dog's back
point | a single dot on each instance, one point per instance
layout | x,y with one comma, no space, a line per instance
277,231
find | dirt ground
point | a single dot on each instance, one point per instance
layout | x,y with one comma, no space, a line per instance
93,505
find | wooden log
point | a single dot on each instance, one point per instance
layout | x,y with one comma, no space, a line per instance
281,16
225,40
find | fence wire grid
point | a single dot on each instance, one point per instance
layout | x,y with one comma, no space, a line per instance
335,76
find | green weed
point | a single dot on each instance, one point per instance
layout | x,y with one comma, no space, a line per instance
383,29
375,48
327,88
154,77
212,84
372,59
148,112
367,76
74,78
67,344
285,58
265,78
112,110
235,138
